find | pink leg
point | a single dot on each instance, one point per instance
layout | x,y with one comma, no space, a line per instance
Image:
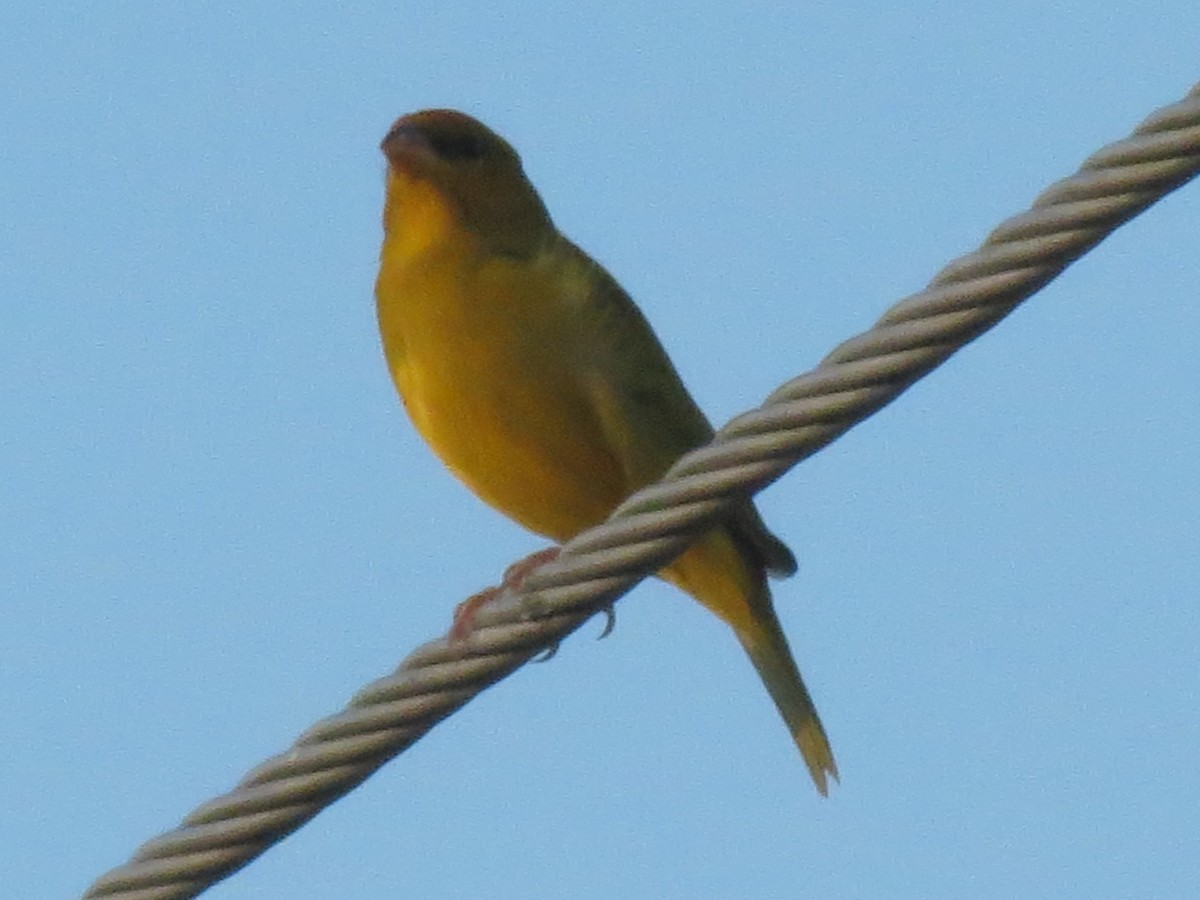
514,575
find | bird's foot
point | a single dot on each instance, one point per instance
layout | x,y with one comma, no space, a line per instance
514,576
464,613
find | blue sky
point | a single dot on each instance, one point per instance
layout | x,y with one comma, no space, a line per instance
219,523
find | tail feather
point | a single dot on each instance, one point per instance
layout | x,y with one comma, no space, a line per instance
768,650
721,572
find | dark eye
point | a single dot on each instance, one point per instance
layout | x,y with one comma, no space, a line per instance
454,147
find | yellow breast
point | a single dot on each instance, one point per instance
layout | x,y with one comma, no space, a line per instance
488,357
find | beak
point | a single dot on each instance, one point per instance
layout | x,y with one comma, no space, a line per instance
405,141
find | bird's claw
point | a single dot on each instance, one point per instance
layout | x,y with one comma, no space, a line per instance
514,576
464,613
610,616
548,654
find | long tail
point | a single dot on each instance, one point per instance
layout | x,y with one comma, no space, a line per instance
729,578
768,649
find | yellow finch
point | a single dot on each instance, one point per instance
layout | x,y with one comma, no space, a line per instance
535,378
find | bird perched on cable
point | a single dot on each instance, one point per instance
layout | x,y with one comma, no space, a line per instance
539,383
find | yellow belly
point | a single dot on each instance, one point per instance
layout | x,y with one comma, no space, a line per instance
486,359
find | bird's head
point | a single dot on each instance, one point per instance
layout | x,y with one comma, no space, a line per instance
472,172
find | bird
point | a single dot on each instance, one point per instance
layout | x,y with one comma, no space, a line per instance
539,383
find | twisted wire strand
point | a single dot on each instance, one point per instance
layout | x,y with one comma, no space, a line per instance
856,379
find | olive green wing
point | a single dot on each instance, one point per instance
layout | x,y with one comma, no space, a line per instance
647,414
